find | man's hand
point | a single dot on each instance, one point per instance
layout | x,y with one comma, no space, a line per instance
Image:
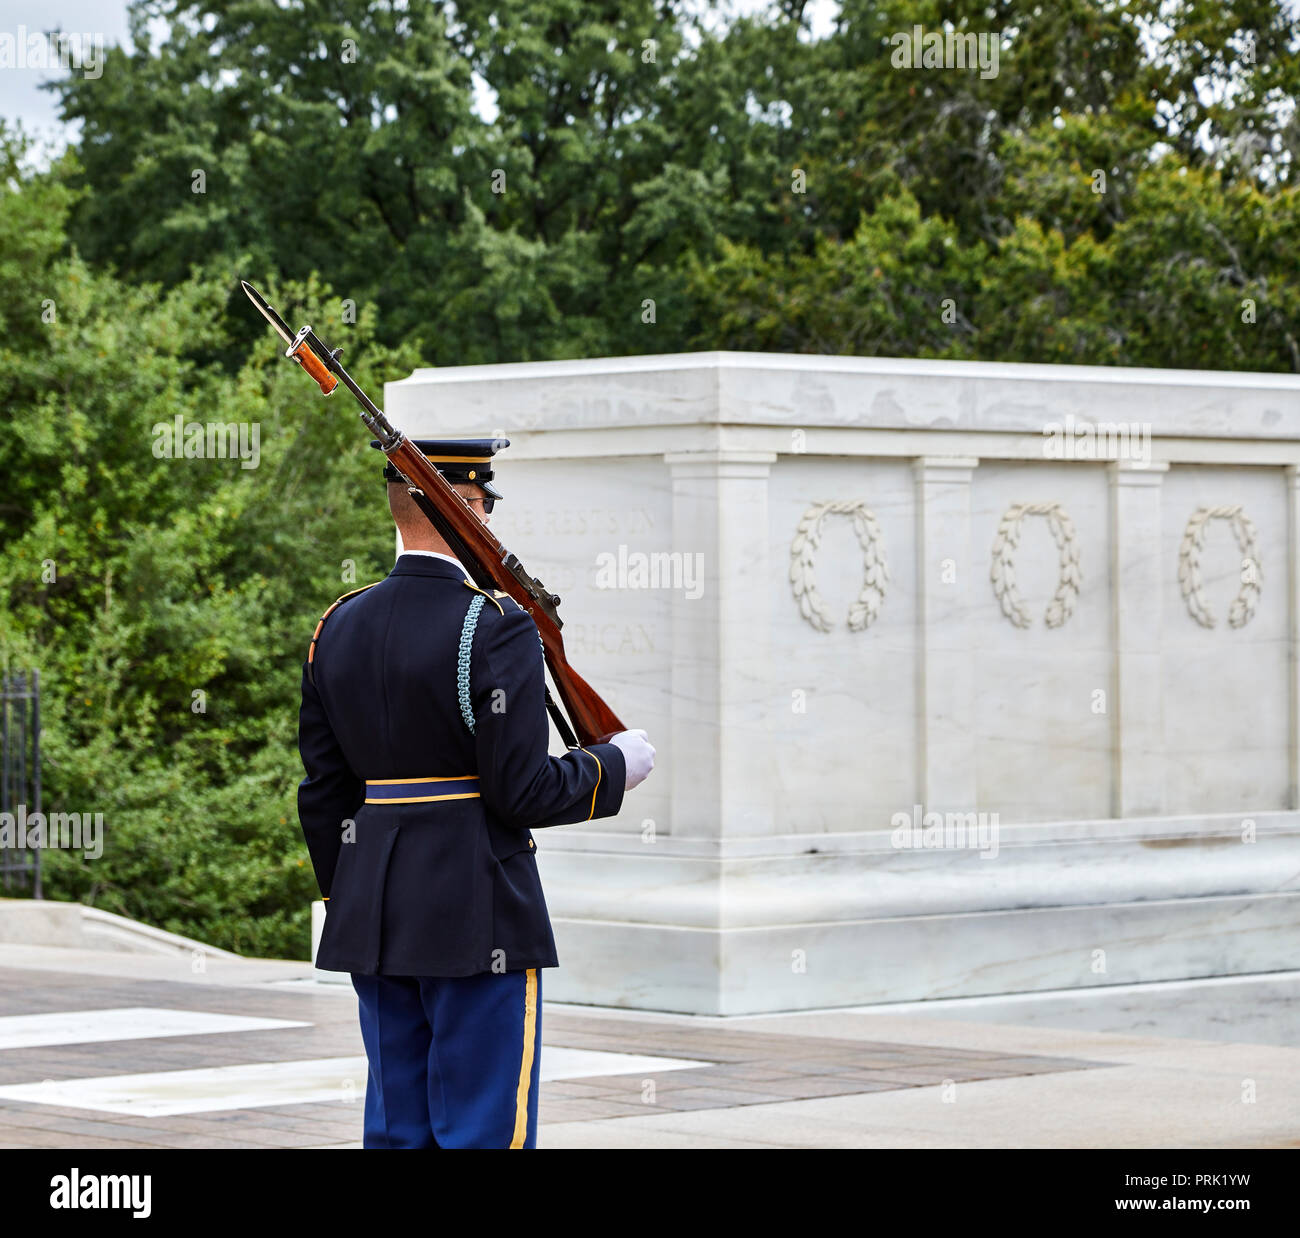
638,755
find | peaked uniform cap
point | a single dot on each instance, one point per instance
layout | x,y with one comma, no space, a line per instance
457,459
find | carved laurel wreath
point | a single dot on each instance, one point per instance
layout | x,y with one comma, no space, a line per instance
1189,566
875,570
1003,571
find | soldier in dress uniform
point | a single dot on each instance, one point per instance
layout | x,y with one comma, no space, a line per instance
424,737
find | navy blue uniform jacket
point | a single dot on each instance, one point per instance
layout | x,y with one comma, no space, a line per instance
448,888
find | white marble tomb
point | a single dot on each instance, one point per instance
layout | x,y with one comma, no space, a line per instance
851,592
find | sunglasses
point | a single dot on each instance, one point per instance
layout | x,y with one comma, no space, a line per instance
486,499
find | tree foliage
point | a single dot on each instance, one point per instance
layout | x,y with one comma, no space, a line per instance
631,153
535,179
168,602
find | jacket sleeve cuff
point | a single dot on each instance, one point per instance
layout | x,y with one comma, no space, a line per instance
613,776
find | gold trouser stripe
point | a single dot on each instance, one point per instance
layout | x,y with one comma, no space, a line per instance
424,799
526,1062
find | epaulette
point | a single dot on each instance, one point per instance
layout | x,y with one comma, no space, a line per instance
501,593
315,636
469,584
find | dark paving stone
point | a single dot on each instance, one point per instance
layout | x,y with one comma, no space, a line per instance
742,1067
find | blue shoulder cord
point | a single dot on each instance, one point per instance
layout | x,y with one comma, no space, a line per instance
462,660
462,674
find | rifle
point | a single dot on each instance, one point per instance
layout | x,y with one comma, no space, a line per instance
487,560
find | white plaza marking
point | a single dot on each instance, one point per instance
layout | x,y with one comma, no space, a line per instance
77,1027
164,1093
560,1063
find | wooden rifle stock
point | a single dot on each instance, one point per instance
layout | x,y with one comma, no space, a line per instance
486,559
593,721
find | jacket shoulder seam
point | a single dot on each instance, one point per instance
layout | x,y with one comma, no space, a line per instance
315,636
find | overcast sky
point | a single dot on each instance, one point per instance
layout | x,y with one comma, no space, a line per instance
22,99
20,96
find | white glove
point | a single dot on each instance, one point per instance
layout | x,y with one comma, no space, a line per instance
638,755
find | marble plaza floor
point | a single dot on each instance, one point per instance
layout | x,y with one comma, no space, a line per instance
103,1050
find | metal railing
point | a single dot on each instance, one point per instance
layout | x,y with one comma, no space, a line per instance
20,774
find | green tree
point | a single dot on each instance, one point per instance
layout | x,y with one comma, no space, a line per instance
168,602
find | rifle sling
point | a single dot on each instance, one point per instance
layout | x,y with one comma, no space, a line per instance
449,535
561,722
